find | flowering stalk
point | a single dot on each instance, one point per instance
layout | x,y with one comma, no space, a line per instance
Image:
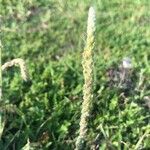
24,75
1,114
87,64
20,62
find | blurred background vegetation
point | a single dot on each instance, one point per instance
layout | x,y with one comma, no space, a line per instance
50,36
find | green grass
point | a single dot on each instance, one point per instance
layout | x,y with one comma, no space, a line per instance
50,36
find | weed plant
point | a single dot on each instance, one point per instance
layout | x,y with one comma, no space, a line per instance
49,35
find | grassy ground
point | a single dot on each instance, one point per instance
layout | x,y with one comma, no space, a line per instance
50,36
